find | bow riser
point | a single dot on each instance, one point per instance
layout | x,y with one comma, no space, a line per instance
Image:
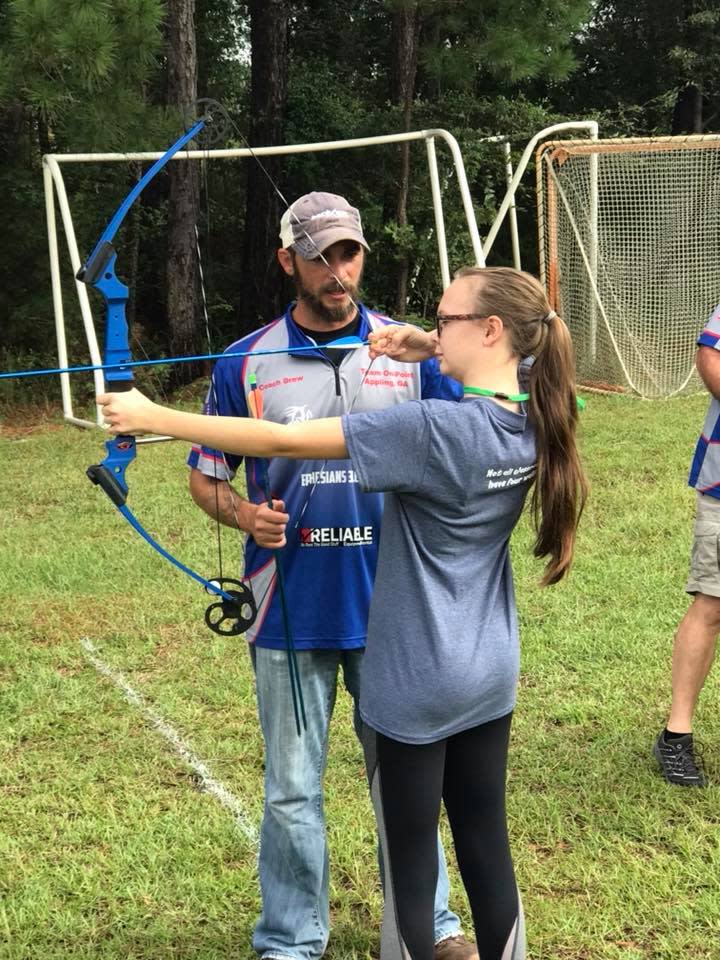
110,474
117,345
120,451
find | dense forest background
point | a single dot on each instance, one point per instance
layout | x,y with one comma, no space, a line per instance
81,76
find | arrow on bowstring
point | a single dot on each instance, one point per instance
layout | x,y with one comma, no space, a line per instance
343,343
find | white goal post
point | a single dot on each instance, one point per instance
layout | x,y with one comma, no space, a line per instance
629,241
55,193
56,197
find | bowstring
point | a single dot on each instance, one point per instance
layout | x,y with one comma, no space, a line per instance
333,274
288,207
335,277
226,482
204,195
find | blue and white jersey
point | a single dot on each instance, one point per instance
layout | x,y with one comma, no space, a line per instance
332,536
705,469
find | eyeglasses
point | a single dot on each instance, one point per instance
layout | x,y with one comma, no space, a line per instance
442,319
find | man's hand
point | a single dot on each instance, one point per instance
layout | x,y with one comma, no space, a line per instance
268,526
404,342
128,413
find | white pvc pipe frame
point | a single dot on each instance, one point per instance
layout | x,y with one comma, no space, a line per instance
509,201
54,184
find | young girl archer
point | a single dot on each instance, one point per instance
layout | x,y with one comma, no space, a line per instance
442,660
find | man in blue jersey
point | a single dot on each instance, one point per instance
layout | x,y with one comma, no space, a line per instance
328,531
696,638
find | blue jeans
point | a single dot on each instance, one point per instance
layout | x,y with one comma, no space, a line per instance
293,862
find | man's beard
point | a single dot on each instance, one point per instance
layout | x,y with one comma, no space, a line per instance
328,314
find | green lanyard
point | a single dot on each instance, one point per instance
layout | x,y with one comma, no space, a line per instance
482,392
512,397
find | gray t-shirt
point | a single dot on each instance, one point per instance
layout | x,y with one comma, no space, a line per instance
442,651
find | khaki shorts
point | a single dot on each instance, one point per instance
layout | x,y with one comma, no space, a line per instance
705,557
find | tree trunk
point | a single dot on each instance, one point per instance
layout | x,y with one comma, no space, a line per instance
182,261
43,134
407,23
134,224
687,115
261,299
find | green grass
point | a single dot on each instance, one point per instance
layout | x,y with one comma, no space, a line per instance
110,849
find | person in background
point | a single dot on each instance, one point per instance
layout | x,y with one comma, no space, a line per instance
440,673
696,637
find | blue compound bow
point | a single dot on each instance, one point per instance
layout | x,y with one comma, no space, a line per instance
234,610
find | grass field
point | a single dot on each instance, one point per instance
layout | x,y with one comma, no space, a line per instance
112,845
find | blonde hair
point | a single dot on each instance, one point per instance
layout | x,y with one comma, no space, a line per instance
536,331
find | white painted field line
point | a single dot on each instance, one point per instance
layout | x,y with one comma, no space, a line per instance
180,746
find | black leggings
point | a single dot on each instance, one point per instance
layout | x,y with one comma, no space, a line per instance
466,771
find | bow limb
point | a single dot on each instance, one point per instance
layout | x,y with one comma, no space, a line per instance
99,272
237,607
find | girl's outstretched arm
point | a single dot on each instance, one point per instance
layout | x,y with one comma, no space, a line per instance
132,413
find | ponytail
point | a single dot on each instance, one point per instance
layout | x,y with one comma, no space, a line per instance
535,330
560,486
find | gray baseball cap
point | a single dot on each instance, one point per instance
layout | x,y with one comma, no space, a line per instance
314,222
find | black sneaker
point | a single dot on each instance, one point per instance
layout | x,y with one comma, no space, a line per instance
678,761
